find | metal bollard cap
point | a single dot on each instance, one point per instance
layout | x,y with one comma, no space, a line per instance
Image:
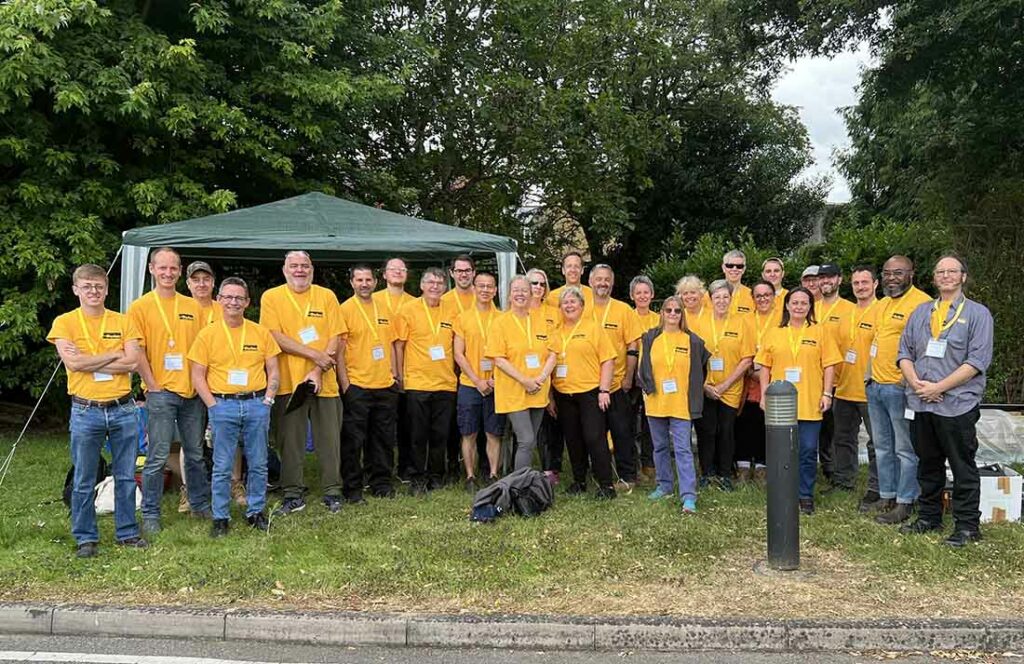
780,407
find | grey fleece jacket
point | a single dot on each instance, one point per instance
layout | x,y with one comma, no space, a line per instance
699,356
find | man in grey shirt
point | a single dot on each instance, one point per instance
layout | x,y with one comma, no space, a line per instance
945,350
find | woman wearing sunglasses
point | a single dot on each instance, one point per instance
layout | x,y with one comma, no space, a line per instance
539,289
804,354
671,375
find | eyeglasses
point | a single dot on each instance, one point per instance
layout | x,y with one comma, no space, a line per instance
91,288
895,273
433,282
763,296
672,310
463,270
397,269
735,266
234,298
946,273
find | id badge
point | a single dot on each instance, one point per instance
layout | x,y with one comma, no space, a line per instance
561,371
377,353
308,335
174,362
101,377
669,386
874,350
851,357
436,353
936,348
239,377
793,374
532,361
908,414
718,364
486,365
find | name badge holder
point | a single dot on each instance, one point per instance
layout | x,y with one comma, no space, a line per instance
486,365
239,377
377,353
718,364
851,357
874,350
936,348
174,362
669,386
793,374
436,353
308,335
100,377
561,371
532,361
908,414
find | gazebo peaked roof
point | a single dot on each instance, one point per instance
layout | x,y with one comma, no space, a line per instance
323,225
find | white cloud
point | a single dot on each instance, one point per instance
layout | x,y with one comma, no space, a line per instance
818,87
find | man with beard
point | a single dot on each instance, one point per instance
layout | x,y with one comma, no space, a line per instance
460,298
887,403
623,328
831,312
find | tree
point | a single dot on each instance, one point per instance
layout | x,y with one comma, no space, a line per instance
122,113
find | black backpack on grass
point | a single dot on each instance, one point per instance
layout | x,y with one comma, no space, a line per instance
102,470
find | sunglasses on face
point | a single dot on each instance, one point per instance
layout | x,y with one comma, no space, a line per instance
672,310
735,266
538,283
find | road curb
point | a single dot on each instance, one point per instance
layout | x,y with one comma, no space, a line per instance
625,633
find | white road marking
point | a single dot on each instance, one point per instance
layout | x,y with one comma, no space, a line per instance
98,658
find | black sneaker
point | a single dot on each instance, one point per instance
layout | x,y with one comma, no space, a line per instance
355,499
388,492
290,505
332,503
219,528
869,502
418,489
704,482
576,488
133,543
258,521
725,484
834,488
605,493
87,550
919,526
471,486
806,506
961,538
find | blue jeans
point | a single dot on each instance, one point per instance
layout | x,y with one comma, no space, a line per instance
91,428
166,409
894,449
807,432
662,429
231,420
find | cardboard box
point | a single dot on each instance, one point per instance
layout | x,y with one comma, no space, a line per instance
1001,497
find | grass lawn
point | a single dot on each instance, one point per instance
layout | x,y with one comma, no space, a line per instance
628,556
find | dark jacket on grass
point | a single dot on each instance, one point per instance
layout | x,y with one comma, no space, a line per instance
699,356
525,492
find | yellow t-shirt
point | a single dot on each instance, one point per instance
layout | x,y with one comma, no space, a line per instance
368,343
764,323
650,320
623,327
892,318
508,339
670,361
183,318
312,319
474,327
698,322
422,331
815,350
834,317
857,333
552,316
101,334
730,341
456,302
588,297
212,313
390,304
742,300
247,351
580,349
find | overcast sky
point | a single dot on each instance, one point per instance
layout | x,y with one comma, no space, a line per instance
819,87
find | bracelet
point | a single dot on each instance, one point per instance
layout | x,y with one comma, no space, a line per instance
600,391
826,394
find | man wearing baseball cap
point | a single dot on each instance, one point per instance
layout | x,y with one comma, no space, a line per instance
200,281
809,280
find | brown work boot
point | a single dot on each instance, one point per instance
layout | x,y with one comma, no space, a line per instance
869,502
760,476
183,507
743,475
883,505
898,514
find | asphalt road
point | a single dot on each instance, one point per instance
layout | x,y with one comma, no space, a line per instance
97,650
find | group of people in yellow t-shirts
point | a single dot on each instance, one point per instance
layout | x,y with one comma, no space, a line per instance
441,376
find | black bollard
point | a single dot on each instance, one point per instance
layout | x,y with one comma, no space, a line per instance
783,476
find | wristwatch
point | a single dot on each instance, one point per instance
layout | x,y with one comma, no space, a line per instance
269,401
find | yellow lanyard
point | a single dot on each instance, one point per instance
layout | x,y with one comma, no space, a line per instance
163,317
567,339
795,348
391,305
761,329
372,327
94,345
209,316
855,325
490,319
829,312
938,327
231,346
458,301
714,332
670,352
607,309
435,330
291,298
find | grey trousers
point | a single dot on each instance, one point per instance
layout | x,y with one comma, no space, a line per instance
848,416
525,424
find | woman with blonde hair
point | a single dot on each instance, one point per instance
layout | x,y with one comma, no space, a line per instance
690,290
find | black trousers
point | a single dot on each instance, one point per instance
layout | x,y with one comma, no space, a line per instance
402,437
550,443
750,433
642,428
583,424
367,440
826,452
430,417
620,419
716,438
937,439
847,416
